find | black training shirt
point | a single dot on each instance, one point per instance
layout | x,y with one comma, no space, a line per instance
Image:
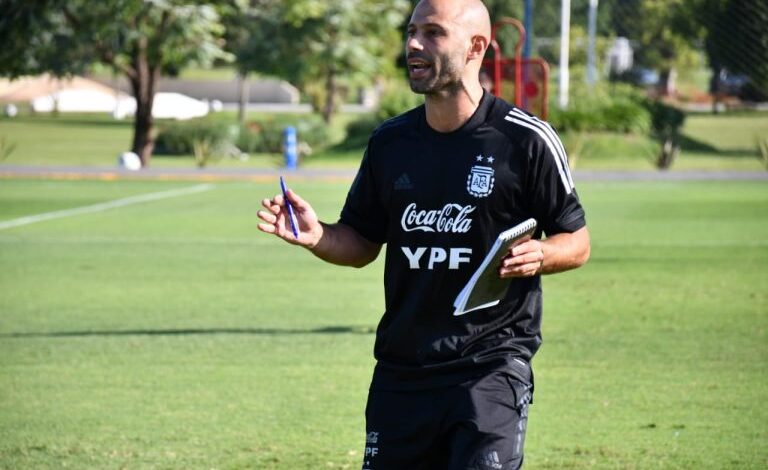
439,200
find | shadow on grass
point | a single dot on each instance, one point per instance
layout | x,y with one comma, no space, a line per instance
689,144
360,330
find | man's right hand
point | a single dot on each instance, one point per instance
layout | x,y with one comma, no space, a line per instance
335,243
276,220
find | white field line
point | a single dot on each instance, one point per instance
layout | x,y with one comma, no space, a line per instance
103,206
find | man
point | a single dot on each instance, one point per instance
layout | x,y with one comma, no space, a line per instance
437,185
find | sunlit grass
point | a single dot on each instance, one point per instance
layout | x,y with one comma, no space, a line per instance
172,334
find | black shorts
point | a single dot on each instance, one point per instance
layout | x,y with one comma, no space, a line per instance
478,425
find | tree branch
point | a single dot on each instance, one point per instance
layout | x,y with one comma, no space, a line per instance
106,54
157,41
71,18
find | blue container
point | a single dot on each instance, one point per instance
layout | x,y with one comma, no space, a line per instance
290,148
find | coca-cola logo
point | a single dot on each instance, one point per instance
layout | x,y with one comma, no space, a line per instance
452,218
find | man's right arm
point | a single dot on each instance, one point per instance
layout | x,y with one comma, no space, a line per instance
335,243
341,244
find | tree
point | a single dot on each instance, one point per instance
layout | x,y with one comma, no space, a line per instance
139,38
662,43
736,38
317,45
260,42
339,40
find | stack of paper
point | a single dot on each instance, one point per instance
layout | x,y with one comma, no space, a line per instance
485,288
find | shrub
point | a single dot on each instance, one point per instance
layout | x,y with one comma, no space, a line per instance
6,148
666,122
250,142
574,120
266,136
396,99
215,139
359,131
178,138
614,108
626,116
313,131
762,149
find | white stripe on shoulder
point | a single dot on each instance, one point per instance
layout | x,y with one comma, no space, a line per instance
527,124
545,126
550,131
555,139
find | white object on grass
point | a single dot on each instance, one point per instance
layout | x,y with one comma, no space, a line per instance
129,161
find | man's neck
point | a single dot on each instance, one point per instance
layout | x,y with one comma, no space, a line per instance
448,112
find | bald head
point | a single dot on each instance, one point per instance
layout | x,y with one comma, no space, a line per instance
477,19
447,40
470,17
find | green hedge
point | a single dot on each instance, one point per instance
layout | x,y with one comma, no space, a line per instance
262,136
266,136
177,138
609,107
666,120
397,99
612,108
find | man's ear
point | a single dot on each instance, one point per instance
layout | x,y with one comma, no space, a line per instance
477,48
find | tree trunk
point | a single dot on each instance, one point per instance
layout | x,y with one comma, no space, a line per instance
715,89
667,82
242,78
143,85
669,151
330,95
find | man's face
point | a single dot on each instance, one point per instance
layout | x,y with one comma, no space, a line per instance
435,49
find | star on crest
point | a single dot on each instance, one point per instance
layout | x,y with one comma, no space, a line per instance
479,158
490,159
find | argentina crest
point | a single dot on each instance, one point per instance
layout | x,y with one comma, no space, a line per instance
481,178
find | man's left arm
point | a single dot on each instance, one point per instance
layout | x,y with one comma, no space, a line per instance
558,253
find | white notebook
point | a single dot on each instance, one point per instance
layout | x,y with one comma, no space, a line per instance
485,288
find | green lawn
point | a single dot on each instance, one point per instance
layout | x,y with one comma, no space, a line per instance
710,142
171,334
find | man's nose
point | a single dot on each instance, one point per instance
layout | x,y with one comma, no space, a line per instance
413,44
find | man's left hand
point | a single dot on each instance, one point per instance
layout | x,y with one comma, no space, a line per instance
555,254
523,260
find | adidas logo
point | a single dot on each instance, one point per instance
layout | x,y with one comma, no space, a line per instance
403,183
490,460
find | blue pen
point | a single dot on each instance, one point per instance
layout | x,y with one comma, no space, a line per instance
291,214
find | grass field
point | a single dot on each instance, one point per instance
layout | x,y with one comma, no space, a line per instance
170,334
710,142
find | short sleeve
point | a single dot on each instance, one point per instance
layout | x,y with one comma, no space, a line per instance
363,210
554,201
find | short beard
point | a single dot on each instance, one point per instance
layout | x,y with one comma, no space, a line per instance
452,88
449,81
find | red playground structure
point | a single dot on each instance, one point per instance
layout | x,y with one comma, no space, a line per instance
522,81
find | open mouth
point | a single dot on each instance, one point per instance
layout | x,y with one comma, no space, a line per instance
418,68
